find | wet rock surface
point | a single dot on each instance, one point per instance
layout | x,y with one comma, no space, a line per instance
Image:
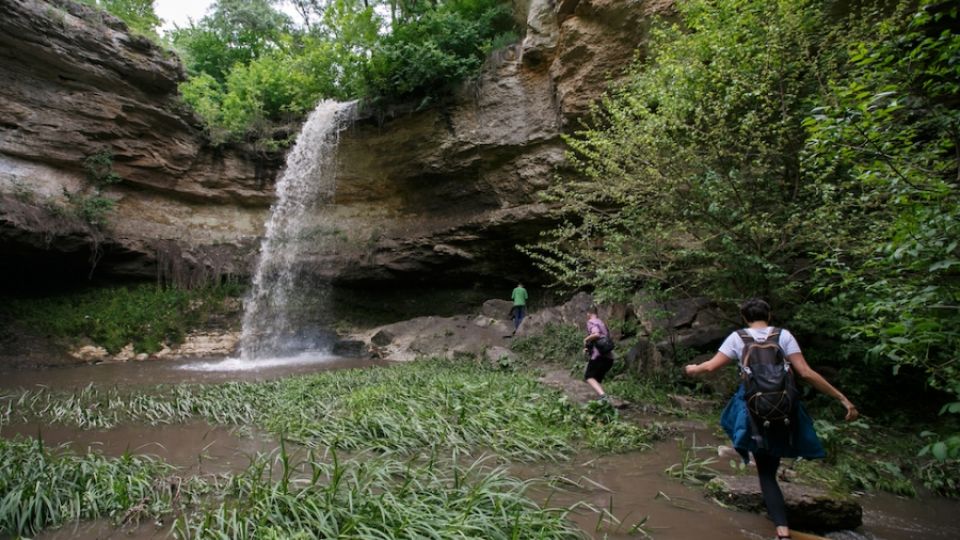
808,508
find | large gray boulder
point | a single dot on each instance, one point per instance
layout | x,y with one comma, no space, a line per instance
572,313
808,507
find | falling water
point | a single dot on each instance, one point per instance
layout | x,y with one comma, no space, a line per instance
281,313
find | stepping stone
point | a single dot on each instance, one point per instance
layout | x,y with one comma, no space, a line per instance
808,507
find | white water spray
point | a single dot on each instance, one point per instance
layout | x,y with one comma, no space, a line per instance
277,318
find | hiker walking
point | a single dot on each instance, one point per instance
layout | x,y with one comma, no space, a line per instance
764,418
519,309
599,348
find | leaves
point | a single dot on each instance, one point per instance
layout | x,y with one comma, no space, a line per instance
251,68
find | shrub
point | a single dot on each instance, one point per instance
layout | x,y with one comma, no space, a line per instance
145,315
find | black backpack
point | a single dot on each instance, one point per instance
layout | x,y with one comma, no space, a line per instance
604,345
769,387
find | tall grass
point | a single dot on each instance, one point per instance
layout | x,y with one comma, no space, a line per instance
376,498
42,487
405,409
367,496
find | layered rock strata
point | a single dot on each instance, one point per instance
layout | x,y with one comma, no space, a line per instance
446,191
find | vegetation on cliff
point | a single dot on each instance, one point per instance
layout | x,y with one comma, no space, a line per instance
251,67
791,151
146,315
138,14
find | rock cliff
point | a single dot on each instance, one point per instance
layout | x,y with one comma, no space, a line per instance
450,188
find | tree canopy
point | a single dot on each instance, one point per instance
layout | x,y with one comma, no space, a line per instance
250,66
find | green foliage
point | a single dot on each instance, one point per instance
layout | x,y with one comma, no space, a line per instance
424,55
772,149
88,204
90,208
234,32
362,497
558,343
861,456
885,142
689,173
380,410
99,169
250,68
941,477
146,315
692,469
22,191
42,487
138,14
375,498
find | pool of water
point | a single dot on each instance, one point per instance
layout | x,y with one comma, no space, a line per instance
631,487
155,372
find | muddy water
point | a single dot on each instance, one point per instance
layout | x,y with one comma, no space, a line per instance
632,487
176,371
194,448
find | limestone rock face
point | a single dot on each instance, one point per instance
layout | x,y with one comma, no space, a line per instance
445,192
77,84
598,39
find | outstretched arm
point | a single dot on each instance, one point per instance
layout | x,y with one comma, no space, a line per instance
718,361
816,380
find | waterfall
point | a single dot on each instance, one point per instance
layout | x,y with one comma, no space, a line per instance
282,312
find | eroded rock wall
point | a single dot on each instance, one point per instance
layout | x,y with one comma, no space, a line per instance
76,84
447,191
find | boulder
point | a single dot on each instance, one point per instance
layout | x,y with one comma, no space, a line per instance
808,508
572,313
90,353
351,348
497,309
435,336
204,344
497,354
643,358
382,338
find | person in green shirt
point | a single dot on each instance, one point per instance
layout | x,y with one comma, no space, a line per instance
519,310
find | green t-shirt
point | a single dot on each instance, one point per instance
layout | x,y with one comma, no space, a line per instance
519,296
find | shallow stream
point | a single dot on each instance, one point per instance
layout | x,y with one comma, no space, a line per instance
632,487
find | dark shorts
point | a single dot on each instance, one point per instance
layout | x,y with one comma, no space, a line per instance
597,369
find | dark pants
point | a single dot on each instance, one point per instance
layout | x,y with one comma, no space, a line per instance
517,314
767,466
597,369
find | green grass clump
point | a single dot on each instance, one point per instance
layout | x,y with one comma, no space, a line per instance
557,344
403,409
145,315
42,487
376,498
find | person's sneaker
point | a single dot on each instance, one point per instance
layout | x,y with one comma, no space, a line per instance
603,399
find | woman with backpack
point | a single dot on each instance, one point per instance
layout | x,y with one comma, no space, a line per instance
598,346
764,418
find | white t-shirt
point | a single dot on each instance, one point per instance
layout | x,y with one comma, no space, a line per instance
732,347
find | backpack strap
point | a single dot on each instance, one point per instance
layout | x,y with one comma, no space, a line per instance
747,340
773,335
